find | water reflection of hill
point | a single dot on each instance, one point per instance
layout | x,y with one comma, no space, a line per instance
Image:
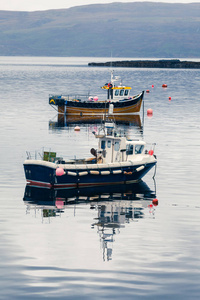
115,206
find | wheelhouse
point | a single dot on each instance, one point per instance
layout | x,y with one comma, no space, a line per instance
113,148
116,91
134,148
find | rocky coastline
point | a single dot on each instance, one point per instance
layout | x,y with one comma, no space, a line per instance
172,63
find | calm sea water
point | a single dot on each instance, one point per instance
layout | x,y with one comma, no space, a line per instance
108,244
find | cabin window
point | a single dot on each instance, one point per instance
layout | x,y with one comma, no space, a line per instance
139,149
109,143
103,144
129,149
116,92
116,147
121,92
126,93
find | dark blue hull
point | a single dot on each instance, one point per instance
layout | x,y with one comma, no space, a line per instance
39,175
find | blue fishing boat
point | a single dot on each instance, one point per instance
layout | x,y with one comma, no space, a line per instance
117,160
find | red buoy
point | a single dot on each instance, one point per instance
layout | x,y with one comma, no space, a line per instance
164,85
170,98
152,86
151,152
149,112
147,91
155,202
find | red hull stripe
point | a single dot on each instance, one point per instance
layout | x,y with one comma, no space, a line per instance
99,183
74,185
39,183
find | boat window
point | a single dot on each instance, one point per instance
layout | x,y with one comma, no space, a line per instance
121,92
116,92
116,147
103,144
125,92
138,149
109,143
129,149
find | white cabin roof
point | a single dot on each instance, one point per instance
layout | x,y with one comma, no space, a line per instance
135,142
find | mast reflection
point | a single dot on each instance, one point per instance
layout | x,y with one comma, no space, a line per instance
115,206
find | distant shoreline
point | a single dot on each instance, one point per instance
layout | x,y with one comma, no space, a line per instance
168,63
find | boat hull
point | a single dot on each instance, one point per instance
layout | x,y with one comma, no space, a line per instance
70,107
44,174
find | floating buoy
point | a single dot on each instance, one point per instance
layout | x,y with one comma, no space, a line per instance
170,98
155,202
96,98
60,172
77,128
152,86
150,205
147,91
149,111
164,85
151,152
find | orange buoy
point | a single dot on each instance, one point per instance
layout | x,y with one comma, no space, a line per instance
155,202
77,128
149,112
170,98
147,91
164,85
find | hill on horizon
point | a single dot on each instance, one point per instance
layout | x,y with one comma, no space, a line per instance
138,29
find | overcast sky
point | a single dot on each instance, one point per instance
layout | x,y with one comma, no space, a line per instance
33,5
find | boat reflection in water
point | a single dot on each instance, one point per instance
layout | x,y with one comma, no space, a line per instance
64,120
115,206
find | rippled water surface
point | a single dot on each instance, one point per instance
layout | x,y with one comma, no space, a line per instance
108,244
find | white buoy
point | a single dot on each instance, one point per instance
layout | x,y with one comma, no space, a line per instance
71,173
140,168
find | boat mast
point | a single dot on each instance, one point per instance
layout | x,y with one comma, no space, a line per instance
110,87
